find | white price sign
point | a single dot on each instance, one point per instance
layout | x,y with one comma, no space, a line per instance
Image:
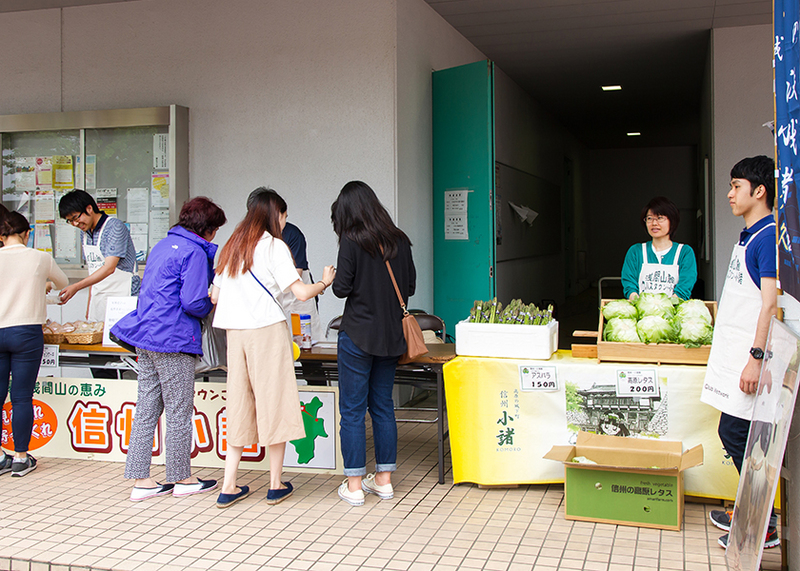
637,383
538,378
50,356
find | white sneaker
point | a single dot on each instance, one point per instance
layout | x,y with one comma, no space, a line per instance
384,492
353,498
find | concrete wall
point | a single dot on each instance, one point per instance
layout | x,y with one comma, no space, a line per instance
425,42
296,95
622,182
529,139
742,103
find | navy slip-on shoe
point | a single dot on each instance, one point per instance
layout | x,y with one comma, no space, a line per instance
227,500
277,496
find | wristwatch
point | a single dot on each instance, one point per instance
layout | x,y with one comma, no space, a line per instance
757,352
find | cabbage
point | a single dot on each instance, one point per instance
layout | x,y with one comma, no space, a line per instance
695,331
659,304
621,330
619,308
693,309
655,329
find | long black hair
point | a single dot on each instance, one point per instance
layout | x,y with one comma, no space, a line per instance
358,215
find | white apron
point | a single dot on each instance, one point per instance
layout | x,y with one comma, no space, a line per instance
658,278
734,330
291,304
117,284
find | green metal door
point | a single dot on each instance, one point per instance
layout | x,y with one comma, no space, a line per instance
463,160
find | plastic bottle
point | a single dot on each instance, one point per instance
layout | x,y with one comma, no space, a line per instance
305,330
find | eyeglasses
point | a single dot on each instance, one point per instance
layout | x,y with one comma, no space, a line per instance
659,219
74,219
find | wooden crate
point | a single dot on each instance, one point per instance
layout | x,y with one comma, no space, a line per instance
653,353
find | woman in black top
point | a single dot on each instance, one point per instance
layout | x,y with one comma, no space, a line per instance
370,336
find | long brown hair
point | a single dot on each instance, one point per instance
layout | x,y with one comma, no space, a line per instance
263,215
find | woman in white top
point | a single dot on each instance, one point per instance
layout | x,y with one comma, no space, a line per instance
263,404
22,312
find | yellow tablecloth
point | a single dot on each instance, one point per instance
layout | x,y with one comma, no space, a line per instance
499,432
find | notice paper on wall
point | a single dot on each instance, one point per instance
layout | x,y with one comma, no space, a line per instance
44,172
62,172
65,242
161,151
137,205
91,172
25,174
42,240
45,208
140,239
159,224
107,200
159,190
456,214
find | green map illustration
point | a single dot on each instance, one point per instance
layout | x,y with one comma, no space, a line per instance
314,426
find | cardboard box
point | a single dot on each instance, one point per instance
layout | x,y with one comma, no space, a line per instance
506,340
652,353
636,481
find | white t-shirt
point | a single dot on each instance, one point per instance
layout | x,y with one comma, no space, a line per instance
243,303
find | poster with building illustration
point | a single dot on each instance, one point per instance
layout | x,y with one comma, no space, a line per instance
616,400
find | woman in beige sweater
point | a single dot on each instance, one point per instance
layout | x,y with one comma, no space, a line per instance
22,311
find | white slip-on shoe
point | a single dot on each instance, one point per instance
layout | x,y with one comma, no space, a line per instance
139,494
196,488
369,485
353,498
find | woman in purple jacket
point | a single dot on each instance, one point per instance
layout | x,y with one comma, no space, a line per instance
165,329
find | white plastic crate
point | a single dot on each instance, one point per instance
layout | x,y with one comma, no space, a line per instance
506,340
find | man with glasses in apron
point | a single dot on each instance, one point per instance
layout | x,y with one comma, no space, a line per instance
109,253
749,300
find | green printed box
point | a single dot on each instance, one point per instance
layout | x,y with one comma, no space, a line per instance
635,481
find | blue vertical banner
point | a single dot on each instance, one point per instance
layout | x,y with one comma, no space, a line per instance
786,61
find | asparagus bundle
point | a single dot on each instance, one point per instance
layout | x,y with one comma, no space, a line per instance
515,312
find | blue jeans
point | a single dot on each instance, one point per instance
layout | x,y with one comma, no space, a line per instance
20,354
365,384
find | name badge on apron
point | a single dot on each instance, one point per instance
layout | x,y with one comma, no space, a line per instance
659,278
117,284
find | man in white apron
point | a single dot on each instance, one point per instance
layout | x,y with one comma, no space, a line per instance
749,300
108,250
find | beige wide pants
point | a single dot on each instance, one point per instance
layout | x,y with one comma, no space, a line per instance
262,398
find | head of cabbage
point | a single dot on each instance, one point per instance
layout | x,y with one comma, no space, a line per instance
619,308
659,304
621,331
655,329
694,332
693,309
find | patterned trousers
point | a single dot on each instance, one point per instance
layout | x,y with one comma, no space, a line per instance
166,383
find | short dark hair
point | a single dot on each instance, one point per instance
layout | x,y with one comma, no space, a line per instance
76,201
261,189
201,216
662,206
13,223
758,170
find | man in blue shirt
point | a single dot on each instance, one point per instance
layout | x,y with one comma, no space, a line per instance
749,300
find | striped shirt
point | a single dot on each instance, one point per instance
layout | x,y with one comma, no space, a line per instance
116,241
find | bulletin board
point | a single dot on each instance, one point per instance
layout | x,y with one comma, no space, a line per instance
517,238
